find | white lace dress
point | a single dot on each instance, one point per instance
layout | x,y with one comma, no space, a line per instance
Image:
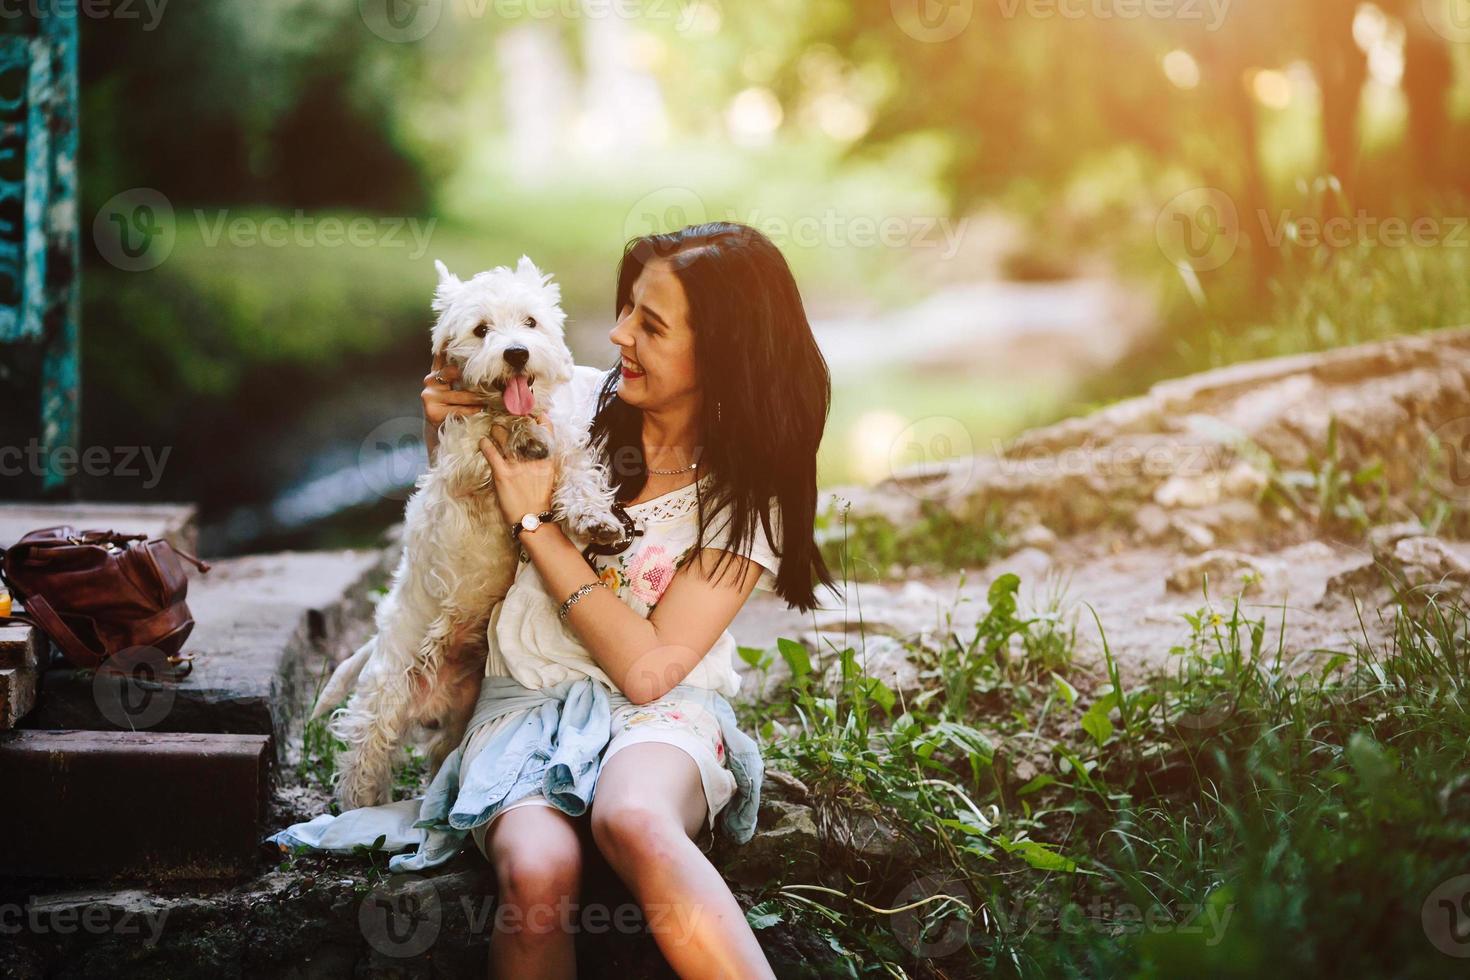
529,643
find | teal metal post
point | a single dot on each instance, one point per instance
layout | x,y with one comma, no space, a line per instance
40,238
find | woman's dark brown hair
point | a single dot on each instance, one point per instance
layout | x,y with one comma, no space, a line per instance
766,392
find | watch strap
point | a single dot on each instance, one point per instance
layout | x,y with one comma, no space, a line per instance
516,529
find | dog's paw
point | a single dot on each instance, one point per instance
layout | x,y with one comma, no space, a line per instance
601,528
534,449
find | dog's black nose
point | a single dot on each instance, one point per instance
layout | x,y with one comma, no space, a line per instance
516,357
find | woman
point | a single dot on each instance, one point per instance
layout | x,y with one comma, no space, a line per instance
720,376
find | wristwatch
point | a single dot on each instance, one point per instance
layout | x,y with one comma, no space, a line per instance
529,522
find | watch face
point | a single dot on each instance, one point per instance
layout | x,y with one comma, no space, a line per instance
530,522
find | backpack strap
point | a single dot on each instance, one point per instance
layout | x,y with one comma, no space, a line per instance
81,655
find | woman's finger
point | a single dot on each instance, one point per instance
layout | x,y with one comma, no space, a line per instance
491,452
442,373
451,397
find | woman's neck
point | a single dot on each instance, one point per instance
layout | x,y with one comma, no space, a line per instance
670,440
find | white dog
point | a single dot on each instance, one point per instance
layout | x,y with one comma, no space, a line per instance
503,329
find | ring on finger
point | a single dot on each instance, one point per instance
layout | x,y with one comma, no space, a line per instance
439,377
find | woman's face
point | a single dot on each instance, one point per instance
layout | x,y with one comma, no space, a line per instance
657,342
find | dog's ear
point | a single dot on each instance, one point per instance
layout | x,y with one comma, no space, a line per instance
527,270
449,284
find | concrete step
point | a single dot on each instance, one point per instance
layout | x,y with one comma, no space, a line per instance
21,652
175,523
268,629
94,804
322,918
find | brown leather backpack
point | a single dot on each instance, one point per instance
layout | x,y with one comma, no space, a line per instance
97,593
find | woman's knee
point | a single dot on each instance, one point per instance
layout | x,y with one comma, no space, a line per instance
634,831
537,867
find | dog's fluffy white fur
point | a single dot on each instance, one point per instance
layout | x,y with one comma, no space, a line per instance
427,659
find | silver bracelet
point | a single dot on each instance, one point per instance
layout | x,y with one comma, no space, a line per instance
572,599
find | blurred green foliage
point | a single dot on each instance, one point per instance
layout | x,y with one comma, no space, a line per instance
1077,129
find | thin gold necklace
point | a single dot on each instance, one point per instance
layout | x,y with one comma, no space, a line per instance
673,472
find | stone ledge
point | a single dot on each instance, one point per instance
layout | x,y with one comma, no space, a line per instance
95,804
175,523
265,624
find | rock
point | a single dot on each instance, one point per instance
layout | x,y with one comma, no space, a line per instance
1177,447
1037,536
789,848
1152,522
1188,491
877,842
1244,482
1427,562
1194,537
1382,539
1226,571
1411,564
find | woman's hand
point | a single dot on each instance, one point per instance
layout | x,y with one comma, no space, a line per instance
441,400
522,486
439,397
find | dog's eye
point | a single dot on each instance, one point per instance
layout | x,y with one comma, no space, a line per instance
482,330
531,322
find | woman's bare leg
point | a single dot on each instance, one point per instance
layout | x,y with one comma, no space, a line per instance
647,806
538,865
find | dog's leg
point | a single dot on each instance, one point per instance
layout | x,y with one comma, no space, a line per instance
343,679
584,497
378,714
448,709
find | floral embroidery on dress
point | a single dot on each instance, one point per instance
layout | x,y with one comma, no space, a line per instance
650,572
611,577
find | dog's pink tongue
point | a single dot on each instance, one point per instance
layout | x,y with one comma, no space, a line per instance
518,397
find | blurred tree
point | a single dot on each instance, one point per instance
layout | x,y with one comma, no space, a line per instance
260,103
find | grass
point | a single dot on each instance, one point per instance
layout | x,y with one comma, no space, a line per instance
870,546
1251,810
